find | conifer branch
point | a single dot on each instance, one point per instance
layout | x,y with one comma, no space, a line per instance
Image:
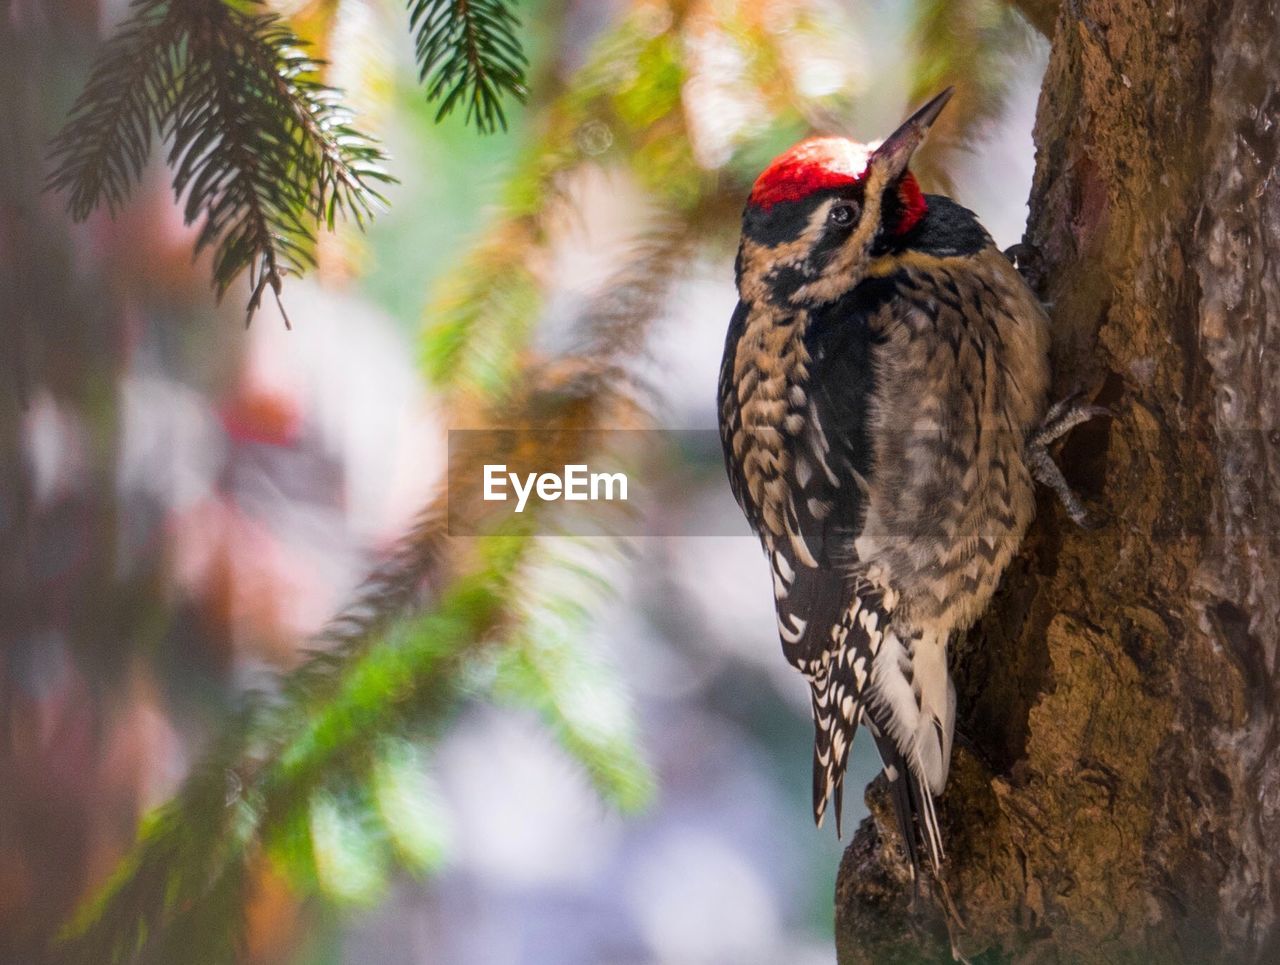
468,55
106,142
260,148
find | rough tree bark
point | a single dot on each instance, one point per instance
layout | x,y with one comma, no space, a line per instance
1116,792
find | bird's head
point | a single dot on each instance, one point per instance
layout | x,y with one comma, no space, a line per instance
818,210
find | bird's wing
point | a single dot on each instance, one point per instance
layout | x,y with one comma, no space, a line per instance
802,489
831,625
730,418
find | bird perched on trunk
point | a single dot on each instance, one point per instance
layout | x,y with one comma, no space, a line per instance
882,404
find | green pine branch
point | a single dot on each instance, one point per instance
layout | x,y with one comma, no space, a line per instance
102,149
260,148
469,56
179,896
318,775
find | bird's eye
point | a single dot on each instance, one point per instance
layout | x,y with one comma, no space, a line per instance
842,214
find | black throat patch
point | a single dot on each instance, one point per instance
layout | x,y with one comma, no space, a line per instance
946,229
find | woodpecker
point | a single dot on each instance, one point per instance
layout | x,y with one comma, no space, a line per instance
882,408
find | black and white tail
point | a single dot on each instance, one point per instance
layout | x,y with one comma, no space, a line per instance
904,695
833,731
838,683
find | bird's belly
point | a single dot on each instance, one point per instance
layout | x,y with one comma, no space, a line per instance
945,528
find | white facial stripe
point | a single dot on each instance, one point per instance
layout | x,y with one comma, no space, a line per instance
818,221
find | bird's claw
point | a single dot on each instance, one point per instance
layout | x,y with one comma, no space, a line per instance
1062,417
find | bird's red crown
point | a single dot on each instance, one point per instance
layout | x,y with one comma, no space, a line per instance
825,163
816,164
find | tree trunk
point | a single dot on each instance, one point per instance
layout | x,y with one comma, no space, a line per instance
1115,794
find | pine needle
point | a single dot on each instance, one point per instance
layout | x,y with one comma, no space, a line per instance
469,57
262,152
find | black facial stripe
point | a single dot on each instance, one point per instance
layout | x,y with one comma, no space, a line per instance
832,239
784,221
787,279
779,224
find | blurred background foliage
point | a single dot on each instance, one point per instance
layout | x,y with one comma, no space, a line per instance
199,762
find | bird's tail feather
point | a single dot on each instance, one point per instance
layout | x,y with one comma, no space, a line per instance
927,816
912,804
833,733
903,807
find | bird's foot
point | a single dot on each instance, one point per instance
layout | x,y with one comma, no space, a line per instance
1062,417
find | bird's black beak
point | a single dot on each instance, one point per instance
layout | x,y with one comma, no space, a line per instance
895,153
